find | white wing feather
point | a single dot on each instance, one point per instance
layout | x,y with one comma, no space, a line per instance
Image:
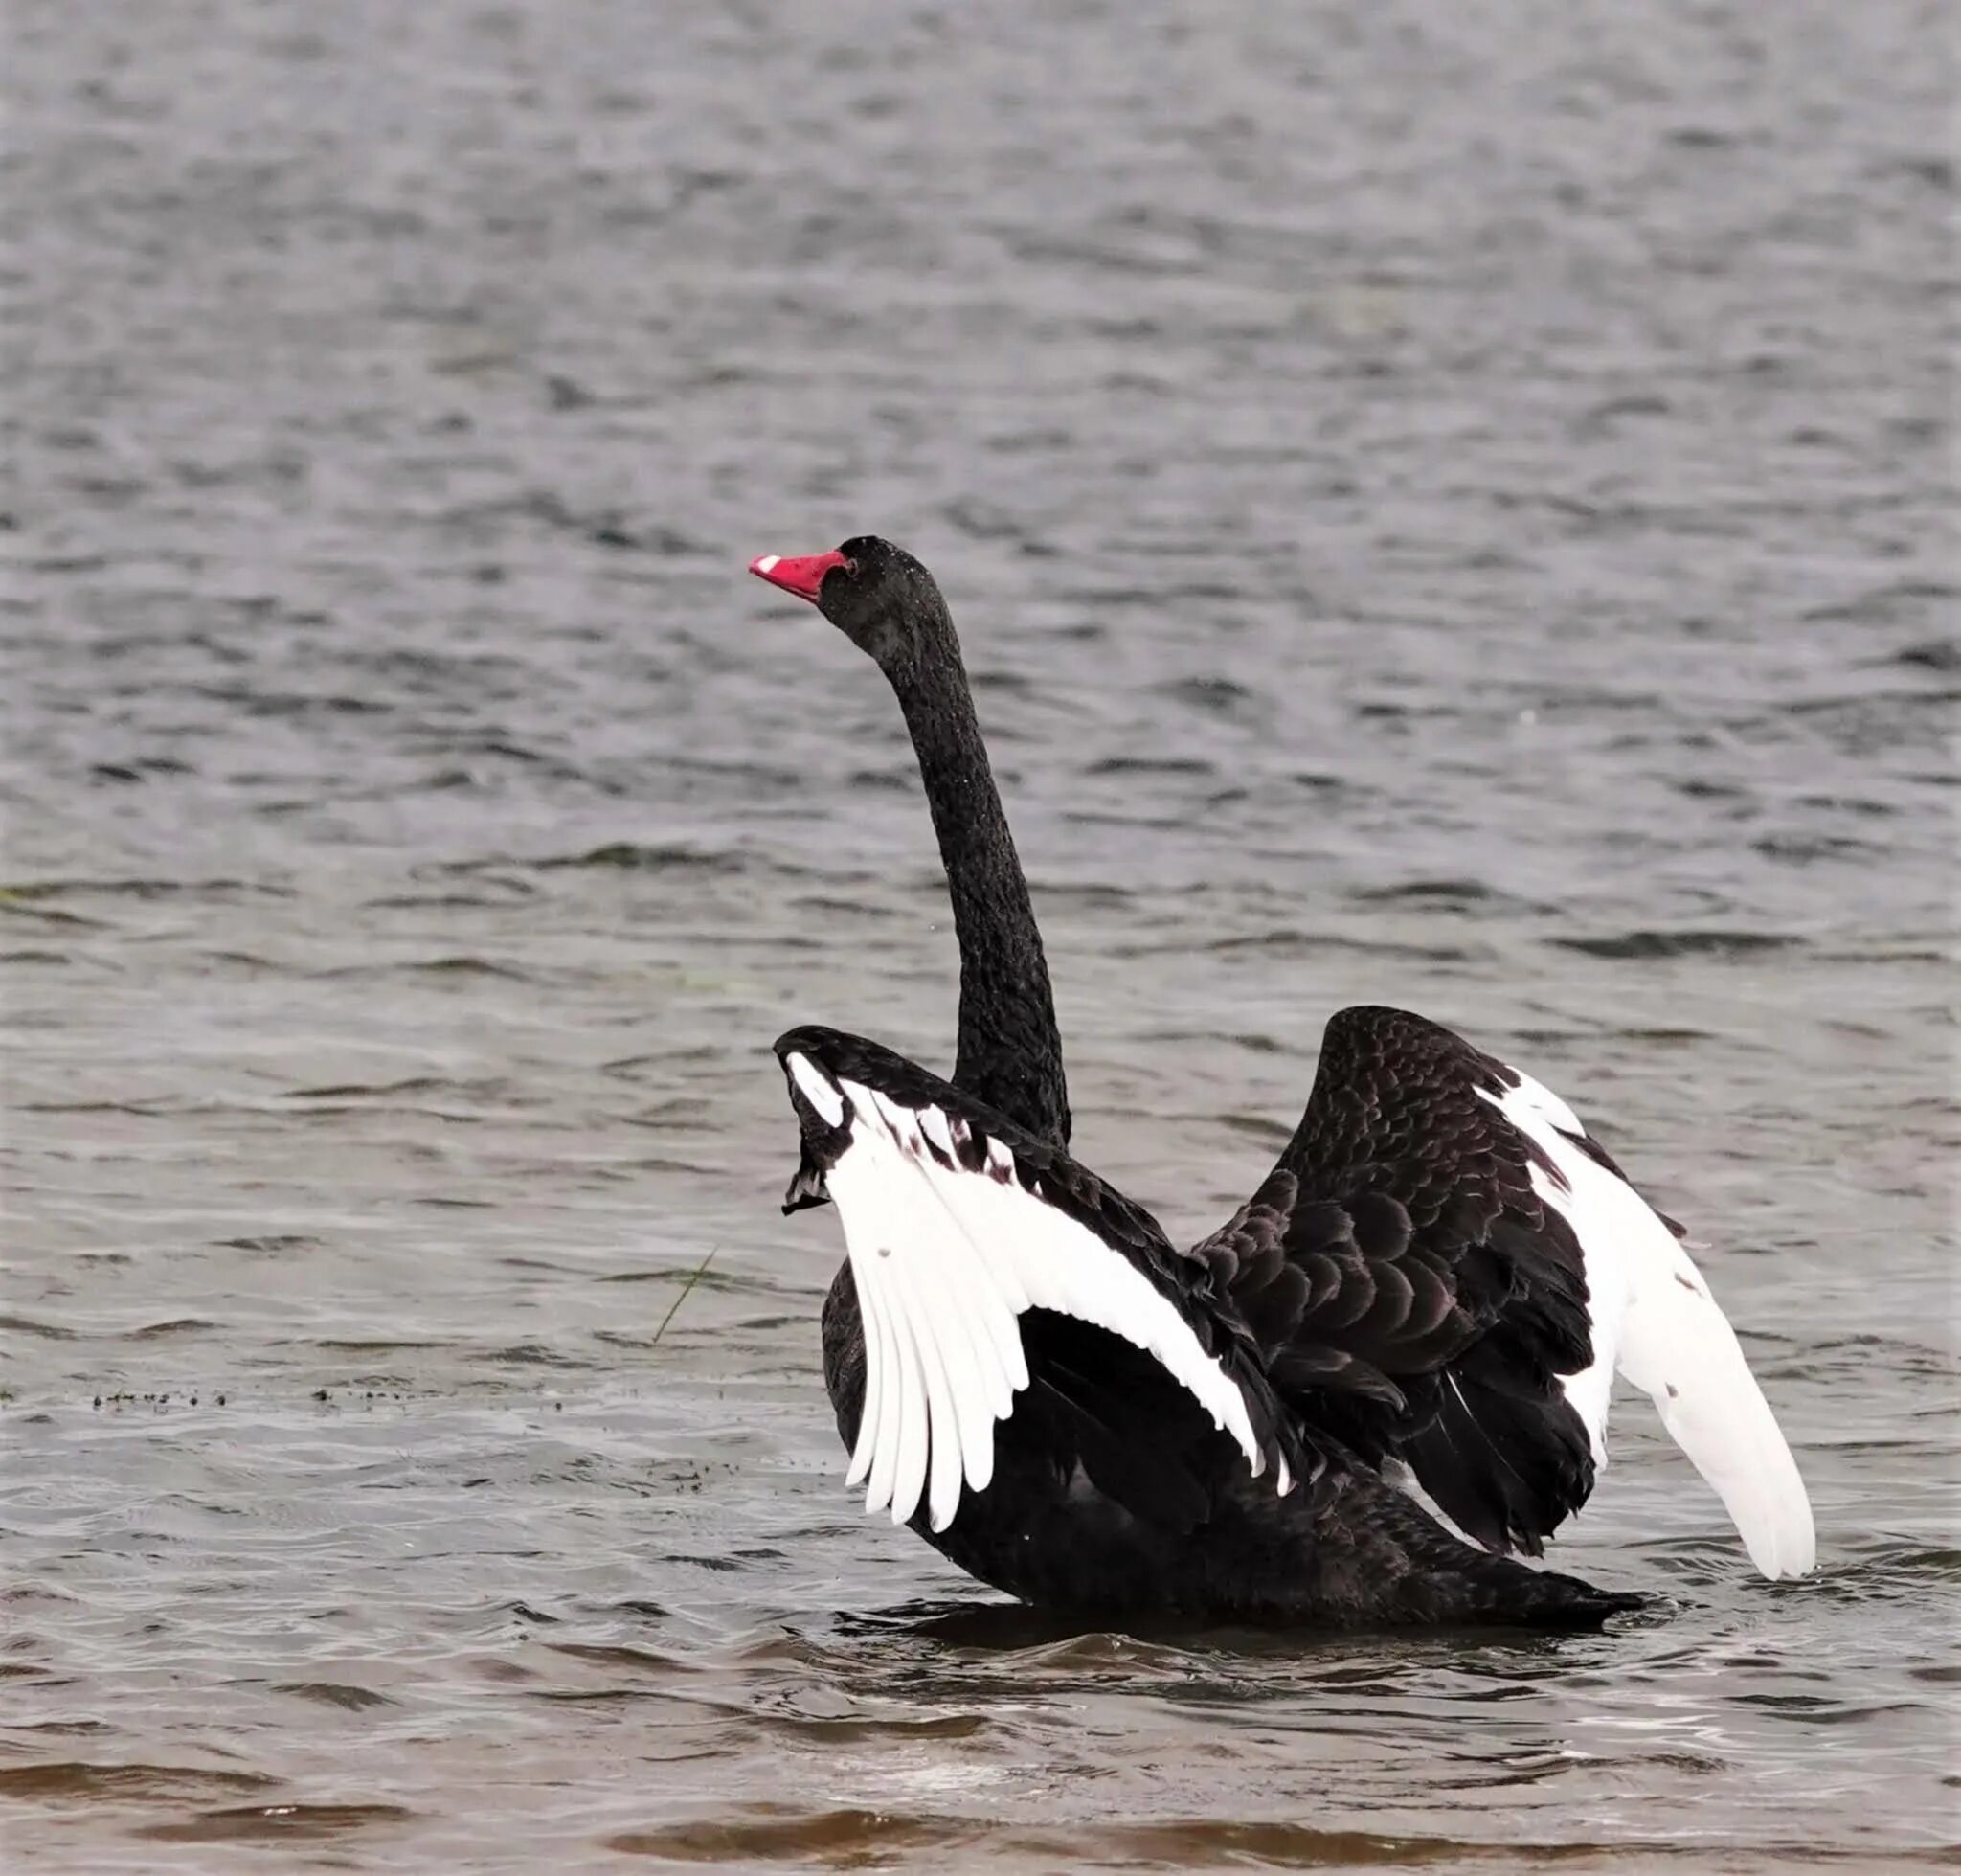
945,1262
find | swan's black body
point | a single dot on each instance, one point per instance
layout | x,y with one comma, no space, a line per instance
1396,1287
1115,1492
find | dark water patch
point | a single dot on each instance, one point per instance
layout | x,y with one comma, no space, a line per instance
1877,710
854,911
460,964
882,781
369,1344
633,856
1442,894
1294,943
822,1730
1612,410
730,1563
143,888
502,747
652,1339
983,521
1898,599
29,1325
23,1594
417,1084
749,772
1201,1843
772,1834
1169,766
485,874
1892,954
997,682
434,902
634,1068
1934,1563
446,901
333,1110
619,1654
277,1823
765,1834
603,1697
1140,823
1652,944
703,1278
1255,1126
336,1693
1384,709
75,1779
1213,696
605,528
625,1169
141,1110
1806,850
13,906
1087,895
291,703
1467,891
532,1354
795,1319
1942,655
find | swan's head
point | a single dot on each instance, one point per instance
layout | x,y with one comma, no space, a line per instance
876,594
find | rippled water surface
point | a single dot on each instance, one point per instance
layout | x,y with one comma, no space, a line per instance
1446,506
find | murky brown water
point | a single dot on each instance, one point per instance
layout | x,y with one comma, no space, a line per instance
1446,507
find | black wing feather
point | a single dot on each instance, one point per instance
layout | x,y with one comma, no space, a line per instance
1149,1447
1439,1299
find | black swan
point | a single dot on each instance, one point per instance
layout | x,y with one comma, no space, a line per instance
1428,1294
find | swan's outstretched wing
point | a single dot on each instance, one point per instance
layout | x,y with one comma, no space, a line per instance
957,1224
1445,1269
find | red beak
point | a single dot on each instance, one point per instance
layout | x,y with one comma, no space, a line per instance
803,576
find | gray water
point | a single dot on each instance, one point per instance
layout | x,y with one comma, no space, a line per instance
1446,506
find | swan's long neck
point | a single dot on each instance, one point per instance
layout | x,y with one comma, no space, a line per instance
1011,1053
